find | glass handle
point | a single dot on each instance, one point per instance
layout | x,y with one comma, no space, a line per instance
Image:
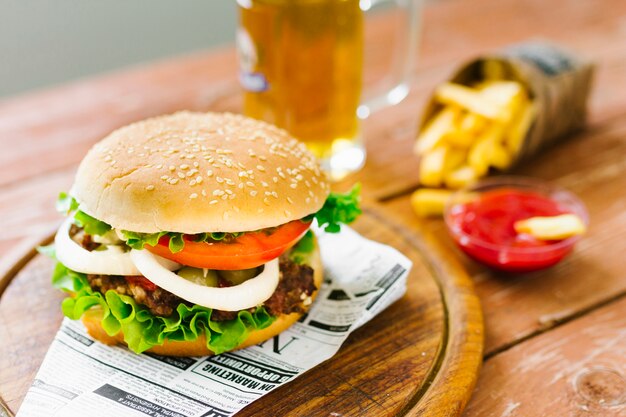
402,59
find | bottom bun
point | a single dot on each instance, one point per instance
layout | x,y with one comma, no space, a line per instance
92,318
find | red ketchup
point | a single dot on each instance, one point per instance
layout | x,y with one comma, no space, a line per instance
483,228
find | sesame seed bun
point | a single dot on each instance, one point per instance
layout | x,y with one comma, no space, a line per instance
199,172
92,320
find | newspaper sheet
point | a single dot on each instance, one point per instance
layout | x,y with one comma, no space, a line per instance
81,377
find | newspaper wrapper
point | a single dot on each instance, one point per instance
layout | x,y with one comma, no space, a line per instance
80,377
557,81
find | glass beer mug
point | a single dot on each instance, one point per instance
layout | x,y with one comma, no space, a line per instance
301,66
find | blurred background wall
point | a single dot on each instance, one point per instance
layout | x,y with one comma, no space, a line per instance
47,42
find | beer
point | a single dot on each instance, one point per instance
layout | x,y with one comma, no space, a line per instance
301,66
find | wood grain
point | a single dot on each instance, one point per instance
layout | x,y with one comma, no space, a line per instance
576,370
399,364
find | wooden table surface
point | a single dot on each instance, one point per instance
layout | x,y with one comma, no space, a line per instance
555,340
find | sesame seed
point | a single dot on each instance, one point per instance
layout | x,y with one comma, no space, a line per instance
266,201
150,187
192,182
196,164
193,195
181,175
260,168
159,166
184,166
243,174
172,168
250,184
224,197
198,179
293,185
264,184
213,202
289,200
164,177
274,194
275,179
209,173
204,193
253,193
240,185
287,213
173,181
228,192
219,180
218,192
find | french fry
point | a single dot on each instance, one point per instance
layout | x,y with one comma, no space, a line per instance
479,127
472,123
509,95
517,131
469,99
432,166
428,202
551,228
480,154
465,131
455,157
432,135
493,70
461,177
459,138
500,157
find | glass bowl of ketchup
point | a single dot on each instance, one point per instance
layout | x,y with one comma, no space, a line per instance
480,219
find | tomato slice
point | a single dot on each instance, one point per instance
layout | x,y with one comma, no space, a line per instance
246,251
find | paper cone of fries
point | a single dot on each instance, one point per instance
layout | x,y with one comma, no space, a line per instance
498,110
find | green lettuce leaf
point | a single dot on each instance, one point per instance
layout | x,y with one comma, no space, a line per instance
300,251
92,226
339,208
143,330
66,203
139,240
176,243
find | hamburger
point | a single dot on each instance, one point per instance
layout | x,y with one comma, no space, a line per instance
190,234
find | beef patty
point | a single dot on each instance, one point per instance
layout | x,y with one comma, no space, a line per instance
295,286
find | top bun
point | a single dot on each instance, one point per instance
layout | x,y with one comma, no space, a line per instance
199,172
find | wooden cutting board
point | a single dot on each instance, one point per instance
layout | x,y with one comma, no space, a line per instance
420,357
